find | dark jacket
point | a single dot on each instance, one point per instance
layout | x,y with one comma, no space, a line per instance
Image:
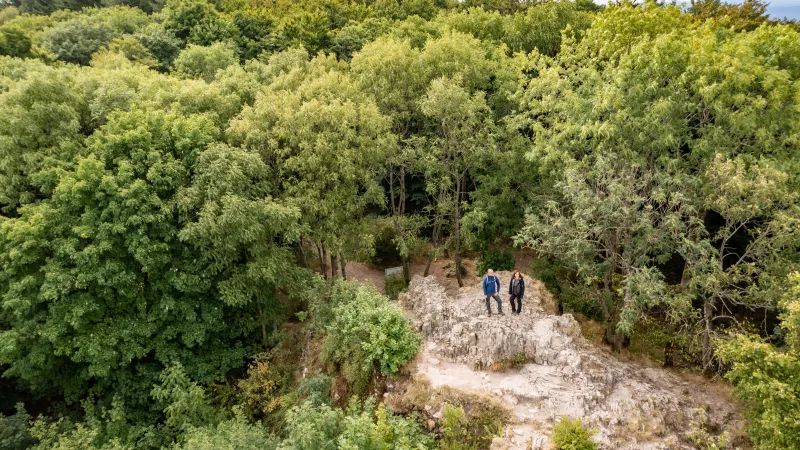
491,285
521,286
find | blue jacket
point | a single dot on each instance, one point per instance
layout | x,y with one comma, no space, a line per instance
491,285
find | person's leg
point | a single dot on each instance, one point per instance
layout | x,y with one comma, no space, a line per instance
499,304
488,306
514,303
519,305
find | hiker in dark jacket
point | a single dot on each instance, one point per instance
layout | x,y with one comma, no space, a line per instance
516,290
491,287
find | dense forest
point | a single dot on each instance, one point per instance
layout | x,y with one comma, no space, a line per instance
184,182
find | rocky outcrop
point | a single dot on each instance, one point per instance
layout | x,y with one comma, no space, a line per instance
630,406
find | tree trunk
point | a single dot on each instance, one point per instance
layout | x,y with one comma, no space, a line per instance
334,266
435,246
303,252
457,229
404,258
263,328
323,261
669,353
344,267
612,337
709,306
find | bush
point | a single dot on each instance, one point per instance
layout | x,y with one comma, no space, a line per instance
316,389
234,434
259,391
367,333
386,252
362,427
204,62
766,378
395,284
570,434
460,432
495,259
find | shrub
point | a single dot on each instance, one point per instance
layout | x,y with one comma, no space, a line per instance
362,427
259,391
316,389
495,259
570,434
204,62
395,284
234,434
386,252
766,378
367,333
461,432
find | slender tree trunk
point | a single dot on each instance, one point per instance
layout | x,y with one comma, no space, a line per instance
457,229
709,306
344,267
613,337
303,252
323,261
334,266
263,328
669,353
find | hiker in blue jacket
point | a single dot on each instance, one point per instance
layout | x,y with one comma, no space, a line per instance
491,287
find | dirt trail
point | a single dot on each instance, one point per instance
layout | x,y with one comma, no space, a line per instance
630,406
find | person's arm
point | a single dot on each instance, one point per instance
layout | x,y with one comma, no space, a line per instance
497,284
521,287
510,285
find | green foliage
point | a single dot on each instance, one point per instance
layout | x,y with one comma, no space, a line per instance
14,42
316,389
570,434
132,49
76,39
367,334
233,434
362,427
204,62
395,285
162,44
14,433
766,379
259,390
461,433
495,259
184,403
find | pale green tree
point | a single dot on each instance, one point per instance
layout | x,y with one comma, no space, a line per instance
461,141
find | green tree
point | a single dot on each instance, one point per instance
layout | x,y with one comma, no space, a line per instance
765,378
14,42
125,273
40,138
462,140
75,40
366,335
204,62
322,140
